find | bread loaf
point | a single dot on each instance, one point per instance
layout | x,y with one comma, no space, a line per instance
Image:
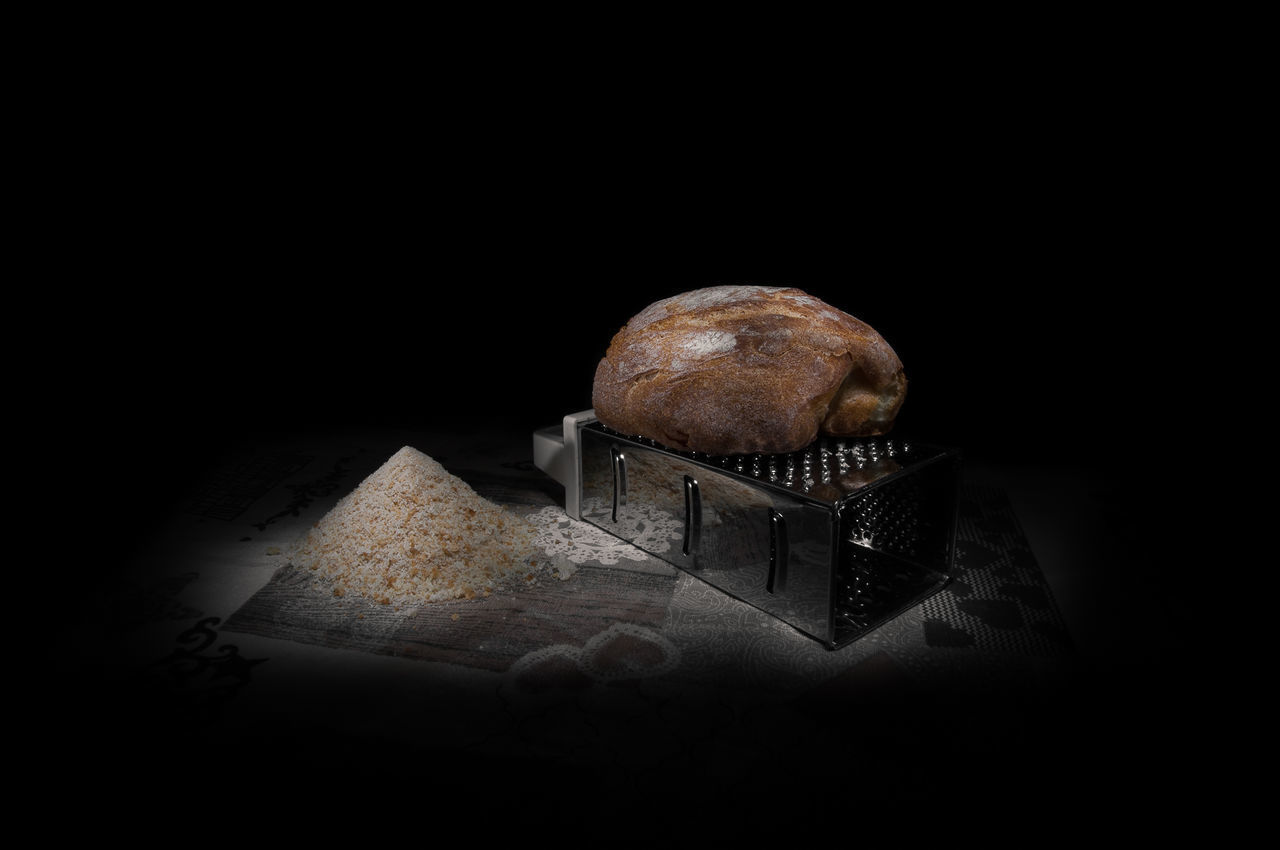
742,369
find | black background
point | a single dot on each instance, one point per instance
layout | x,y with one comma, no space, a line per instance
1056,373
260,266
1010,370
1053,377
1060,366
1021,372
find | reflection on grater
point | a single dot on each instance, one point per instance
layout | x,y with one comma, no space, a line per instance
833,539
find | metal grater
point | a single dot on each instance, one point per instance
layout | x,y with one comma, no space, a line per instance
834,539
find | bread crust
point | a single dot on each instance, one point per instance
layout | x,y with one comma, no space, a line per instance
744,369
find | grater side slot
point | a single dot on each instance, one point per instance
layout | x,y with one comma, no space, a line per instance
692,516
619,460
779,553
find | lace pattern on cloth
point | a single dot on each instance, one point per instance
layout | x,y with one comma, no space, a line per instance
649,527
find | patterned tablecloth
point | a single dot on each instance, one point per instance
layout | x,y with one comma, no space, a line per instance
621,674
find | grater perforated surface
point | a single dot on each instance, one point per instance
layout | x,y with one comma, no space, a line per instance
829,469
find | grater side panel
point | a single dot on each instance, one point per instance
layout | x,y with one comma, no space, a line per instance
833,540
765,547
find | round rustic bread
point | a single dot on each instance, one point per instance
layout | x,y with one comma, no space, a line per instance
744,369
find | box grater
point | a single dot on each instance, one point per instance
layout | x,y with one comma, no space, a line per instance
834,539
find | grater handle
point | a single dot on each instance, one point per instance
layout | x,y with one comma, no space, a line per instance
556,452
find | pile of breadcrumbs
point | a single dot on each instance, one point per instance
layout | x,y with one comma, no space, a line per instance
412,532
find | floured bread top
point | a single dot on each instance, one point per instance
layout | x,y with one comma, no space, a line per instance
412,533
744,368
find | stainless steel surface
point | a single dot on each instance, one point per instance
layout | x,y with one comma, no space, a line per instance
833,540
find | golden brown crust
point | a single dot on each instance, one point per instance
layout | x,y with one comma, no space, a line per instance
741,369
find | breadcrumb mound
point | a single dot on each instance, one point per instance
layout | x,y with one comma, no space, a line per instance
414,533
